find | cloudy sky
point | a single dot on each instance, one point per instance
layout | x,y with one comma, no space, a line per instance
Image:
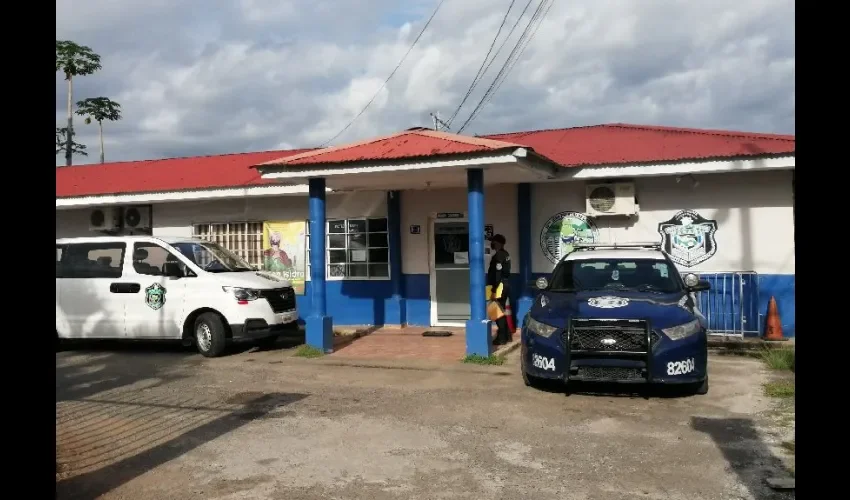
216,76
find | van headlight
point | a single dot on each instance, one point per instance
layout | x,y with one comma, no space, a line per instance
242,293
682,331
539,328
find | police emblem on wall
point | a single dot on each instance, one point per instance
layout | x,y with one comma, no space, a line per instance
688,238
562,231
155,296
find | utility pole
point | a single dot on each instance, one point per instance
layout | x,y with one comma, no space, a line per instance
438,122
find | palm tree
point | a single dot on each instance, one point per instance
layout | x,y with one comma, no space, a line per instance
99,109
73,60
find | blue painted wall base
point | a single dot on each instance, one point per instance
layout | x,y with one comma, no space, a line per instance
479,341
320,333
523,305
396,311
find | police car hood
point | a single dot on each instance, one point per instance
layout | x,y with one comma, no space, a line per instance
661,310
252,279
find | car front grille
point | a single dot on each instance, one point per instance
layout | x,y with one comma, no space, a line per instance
610,373
281,299
591,335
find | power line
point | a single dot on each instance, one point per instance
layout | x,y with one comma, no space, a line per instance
388,78
479,75
521,52
508,61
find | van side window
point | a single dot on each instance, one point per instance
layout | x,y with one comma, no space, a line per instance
90,260
149,258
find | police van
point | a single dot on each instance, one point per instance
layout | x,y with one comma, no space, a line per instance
146,288
616,313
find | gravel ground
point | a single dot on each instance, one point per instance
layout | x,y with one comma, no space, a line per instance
149,422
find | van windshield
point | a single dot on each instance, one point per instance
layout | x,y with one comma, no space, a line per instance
641,275
212,257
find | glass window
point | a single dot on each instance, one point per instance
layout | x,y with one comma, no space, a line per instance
645,275
90,260
245,239
358,248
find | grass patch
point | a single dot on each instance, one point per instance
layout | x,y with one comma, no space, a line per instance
476,359
789,446
778,358
306,351
779,389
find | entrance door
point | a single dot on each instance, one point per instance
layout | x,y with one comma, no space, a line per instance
450,273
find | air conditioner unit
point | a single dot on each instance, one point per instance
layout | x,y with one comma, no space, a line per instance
105,219
137,217
616,198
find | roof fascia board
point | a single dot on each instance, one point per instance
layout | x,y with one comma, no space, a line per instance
176,196
299,173
681,168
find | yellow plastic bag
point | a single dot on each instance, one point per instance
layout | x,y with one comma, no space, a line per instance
489,289
494,310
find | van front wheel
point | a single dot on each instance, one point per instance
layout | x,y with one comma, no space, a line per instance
210,336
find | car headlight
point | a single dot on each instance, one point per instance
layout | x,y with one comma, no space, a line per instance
539,328
242,293
681,331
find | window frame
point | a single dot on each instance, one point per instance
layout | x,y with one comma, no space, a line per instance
110,245
347,249
224,238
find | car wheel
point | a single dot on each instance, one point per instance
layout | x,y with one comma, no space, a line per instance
210,336
529,380
702,388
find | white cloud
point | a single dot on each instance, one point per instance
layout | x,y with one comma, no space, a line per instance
201,77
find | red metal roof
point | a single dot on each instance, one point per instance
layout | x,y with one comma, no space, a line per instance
413,143
622,143
171,174
570,147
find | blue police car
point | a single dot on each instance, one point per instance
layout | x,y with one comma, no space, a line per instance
616,313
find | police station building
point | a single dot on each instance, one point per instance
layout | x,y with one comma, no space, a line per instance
392,230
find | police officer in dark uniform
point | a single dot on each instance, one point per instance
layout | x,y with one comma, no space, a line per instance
500,273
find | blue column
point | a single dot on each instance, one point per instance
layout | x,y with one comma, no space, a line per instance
524,229
396,309
478,339
319,324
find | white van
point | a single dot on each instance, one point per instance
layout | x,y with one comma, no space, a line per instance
141,287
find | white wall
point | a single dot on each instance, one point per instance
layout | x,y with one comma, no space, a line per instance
417,206
753,210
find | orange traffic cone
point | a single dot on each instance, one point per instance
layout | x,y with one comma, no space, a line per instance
773,325
510,316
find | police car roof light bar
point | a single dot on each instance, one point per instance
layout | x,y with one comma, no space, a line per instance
646,244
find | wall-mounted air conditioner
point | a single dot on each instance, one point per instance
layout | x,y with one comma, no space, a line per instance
137,217
105,219
615,198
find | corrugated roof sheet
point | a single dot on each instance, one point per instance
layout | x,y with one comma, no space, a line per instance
171,174
413,143
570,147
622,143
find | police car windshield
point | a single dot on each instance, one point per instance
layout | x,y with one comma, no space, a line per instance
212,257
642,275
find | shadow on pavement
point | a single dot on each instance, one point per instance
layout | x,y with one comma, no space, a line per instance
617,390
747,454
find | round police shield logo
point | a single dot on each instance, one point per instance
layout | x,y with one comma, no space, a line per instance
562,231
155,296
688,238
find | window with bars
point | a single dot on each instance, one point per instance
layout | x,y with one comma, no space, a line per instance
245,239
357,248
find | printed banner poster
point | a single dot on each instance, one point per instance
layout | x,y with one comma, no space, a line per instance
562,231
688,238
284,252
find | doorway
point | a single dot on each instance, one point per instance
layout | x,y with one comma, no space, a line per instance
449,272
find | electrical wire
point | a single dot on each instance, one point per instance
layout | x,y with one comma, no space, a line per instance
479,75
388,78
510,60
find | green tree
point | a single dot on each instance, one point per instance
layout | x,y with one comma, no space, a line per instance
73,60
99,109
62,136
